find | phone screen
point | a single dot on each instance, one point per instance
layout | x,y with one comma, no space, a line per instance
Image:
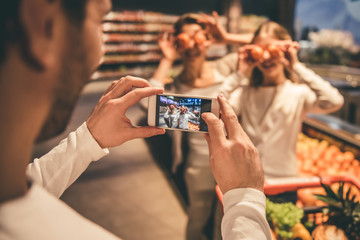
181,112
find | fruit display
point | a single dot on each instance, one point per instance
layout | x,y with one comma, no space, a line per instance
339,218
343,212
285,221
320,158
192,126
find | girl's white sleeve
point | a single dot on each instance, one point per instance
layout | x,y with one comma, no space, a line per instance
60,167
244,215
324,97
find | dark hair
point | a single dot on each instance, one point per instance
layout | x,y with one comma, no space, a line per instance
12,31
189,18
275,30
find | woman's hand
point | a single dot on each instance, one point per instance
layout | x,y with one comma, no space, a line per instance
214,27
166,43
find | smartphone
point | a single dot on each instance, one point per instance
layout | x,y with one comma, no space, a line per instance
180,112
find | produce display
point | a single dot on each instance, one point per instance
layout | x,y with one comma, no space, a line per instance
339,218
337,206
285,221
319,158
343,212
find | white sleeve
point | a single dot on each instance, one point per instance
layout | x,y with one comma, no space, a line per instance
244,215
60,167
327,98
233,82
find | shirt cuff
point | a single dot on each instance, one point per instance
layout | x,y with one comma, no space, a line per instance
88,142
240,195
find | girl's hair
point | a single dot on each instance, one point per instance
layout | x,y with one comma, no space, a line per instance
274,30
189,18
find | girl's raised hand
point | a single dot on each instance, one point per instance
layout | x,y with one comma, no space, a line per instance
246,62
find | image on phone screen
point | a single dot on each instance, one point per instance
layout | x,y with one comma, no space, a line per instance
181,112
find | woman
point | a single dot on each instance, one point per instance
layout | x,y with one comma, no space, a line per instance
193,34
272,108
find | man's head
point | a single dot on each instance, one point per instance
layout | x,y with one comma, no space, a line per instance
56,45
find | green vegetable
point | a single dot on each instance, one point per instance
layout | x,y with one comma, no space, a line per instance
282,217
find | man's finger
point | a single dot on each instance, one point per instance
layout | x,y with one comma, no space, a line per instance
215,129
208,140
137,94
145,132
112,85
125,84
229,117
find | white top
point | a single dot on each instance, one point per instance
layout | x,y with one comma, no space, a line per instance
40,215
273,116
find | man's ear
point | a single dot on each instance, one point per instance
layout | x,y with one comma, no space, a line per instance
39,19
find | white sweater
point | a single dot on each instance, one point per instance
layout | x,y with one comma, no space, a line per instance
40,215
273,116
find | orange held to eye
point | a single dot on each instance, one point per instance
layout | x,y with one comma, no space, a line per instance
274,51
200,38
256,53
183,39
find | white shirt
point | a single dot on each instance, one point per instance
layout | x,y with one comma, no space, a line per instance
40,215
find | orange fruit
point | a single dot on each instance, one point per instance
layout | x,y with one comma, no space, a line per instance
183,40
199,38
256,53
274,51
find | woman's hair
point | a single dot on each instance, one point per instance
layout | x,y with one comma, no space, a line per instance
274,30
189,18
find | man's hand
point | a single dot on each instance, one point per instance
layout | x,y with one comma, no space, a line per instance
108,123
234,160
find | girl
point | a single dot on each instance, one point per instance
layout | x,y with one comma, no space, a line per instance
272,107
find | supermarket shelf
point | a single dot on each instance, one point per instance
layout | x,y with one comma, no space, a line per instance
348,76
140,27
126,37
336,131
140,16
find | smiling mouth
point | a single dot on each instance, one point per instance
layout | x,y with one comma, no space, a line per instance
192,53
268,64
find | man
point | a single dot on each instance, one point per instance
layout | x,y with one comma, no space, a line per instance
48,50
